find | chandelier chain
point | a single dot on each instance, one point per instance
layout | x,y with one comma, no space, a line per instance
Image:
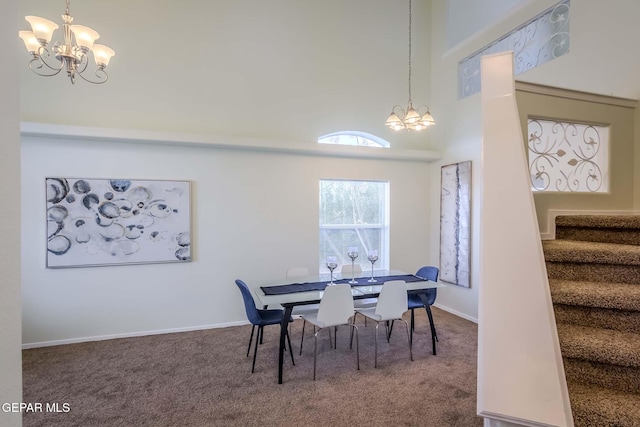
410,118
410,16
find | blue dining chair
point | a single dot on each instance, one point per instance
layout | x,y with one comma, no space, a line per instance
260,319
430,273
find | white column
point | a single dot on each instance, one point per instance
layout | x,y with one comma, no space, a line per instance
520,371
10,313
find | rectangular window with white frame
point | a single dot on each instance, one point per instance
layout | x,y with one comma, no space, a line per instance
568,157
354,214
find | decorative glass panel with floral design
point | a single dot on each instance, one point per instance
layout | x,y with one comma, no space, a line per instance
568,157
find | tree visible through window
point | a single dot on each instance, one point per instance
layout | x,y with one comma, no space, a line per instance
354,213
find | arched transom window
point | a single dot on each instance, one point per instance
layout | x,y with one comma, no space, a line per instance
353,138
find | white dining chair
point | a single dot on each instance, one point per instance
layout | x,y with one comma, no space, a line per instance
299,272
346,269
346,273
392,304
336,309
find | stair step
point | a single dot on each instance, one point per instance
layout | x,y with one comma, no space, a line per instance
594,278
620,296
587,272
592,261
599,221
623,378
606,318
607,235
598,406
599,345
574,251
623,229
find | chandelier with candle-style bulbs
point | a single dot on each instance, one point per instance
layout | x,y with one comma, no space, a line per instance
71,55
410,118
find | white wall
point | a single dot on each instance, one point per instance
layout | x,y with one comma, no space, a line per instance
590,66
323,85
279,69
465,18
254,215
10,354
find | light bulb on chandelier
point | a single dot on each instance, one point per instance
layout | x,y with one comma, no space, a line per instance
410,118
72,54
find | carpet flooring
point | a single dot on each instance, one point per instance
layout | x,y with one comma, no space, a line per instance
594,278
203,378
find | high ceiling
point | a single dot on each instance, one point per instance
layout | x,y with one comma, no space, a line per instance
602,57
291,70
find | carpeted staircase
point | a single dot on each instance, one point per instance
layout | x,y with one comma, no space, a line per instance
594,276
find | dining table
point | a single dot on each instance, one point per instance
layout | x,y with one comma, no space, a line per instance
290,293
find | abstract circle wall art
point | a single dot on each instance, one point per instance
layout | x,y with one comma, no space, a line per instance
98,222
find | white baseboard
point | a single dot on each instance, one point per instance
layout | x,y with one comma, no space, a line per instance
550,232
496,420
455,312
129,335
78,340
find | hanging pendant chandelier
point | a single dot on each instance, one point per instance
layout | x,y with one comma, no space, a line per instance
410,118
71,55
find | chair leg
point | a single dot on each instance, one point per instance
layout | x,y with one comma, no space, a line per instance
315,351
357,345
253,328
409,339
304,322
365,318
255,349
375,365
351,337
387,330
413,322
434,335
431,322
290,348
335,337
352,324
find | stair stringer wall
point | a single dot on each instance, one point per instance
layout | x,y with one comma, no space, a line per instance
520,371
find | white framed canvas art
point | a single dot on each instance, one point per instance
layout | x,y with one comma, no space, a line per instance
455,224
99,222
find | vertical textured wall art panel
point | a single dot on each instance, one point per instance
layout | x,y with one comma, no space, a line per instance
455,223
96,222
536,42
